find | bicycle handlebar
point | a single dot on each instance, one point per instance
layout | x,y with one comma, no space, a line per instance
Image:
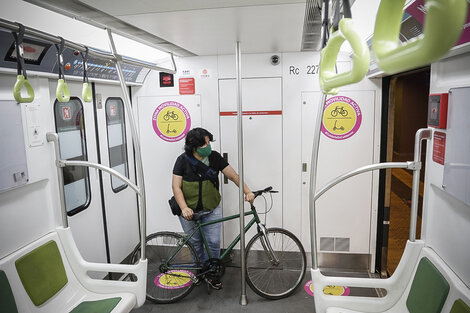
267,189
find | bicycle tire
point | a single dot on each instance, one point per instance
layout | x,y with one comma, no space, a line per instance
275,281
168,286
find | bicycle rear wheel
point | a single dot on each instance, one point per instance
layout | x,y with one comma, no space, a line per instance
275,279
168,280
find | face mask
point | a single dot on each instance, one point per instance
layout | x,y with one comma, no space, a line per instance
206,151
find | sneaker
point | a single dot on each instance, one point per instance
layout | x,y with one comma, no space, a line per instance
214,283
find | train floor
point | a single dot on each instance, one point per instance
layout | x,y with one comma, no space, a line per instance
227,300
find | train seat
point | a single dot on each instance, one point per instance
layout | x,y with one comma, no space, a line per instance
40,278
6,295
431,287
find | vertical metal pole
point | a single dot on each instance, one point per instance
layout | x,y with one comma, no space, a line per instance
136,143
313,183
60,175
241,181
423,133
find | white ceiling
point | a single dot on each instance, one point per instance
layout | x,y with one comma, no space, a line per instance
211,27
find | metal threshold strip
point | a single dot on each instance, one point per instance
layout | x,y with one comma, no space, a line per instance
31,32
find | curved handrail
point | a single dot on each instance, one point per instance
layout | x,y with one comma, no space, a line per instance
62,92
124,179
360,170
329,79
442,28
87,95
20,82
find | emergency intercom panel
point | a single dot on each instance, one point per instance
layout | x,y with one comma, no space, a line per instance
437,110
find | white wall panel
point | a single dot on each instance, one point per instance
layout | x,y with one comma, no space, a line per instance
31,210
446,221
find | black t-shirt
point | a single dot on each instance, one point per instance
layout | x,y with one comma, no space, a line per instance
184,168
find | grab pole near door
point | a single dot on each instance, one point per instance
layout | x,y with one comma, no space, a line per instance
241,181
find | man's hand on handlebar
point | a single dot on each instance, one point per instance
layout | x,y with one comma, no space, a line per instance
250,197
187,213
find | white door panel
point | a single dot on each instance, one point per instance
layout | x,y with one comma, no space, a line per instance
121,207
87,225
158,157
262,159
345,210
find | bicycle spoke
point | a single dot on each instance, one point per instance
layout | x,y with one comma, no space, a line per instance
171,267
275,280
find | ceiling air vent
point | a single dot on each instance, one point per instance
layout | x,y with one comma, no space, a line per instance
312,26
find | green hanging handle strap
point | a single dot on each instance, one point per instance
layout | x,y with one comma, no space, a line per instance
22,78
330,81
87,95
442,28
62,92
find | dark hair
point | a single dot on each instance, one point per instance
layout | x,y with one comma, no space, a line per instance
196,138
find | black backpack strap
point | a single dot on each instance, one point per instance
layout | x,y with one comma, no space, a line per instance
204,170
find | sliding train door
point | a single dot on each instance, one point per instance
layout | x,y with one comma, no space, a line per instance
75,125
102,211
116,151
262,136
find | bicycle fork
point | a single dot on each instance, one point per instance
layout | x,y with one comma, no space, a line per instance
267,245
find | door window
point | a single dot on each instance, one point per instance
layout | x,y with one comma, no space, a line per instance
117,144
70,126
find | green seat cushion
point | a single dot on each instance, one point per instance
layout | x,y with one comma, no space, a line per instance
99,306
42,272
460,307
429,289
7,301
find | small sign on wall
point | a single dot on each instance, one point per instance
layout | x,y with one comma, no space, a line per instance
166,80
439,147
341,119
187,86
171,121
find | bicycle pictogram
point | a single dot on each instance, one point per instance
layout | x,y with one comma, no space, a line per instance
339,110
170,114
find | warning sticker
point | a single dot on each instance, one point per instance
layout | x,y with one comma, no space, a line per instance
439,147
171,121
342,118
66,113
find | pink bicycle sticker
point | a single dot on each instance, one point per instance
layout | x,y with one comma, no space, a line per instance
174,279
171,121
342,118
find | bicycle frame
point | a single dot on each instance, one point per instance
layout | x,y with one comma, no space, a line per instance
199,227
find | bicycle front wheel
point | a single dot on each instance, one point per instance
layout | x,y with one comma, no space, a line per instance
276,273
172,267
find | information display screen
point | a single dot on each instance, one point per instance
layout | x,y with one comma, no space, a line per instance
42,57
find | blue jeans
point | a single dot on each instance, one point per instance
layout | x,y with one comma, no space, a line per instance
211,232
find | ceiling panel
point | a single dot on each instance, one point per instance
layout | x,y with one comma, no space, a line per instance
196,27
274,28
119,7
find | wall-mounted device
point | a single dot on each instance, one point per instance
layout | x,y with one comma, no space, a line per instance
437,110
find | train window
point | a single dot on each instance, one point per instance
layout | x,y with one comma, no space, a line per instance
70,126
117,144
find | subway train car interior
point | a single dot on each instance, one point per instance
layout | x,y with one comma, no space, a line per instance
235,156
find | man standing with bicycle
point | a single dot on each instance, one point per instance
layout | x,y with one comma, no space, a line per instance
195,185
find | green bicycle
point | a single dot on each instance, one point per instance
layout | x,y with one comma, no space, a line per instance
275,260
